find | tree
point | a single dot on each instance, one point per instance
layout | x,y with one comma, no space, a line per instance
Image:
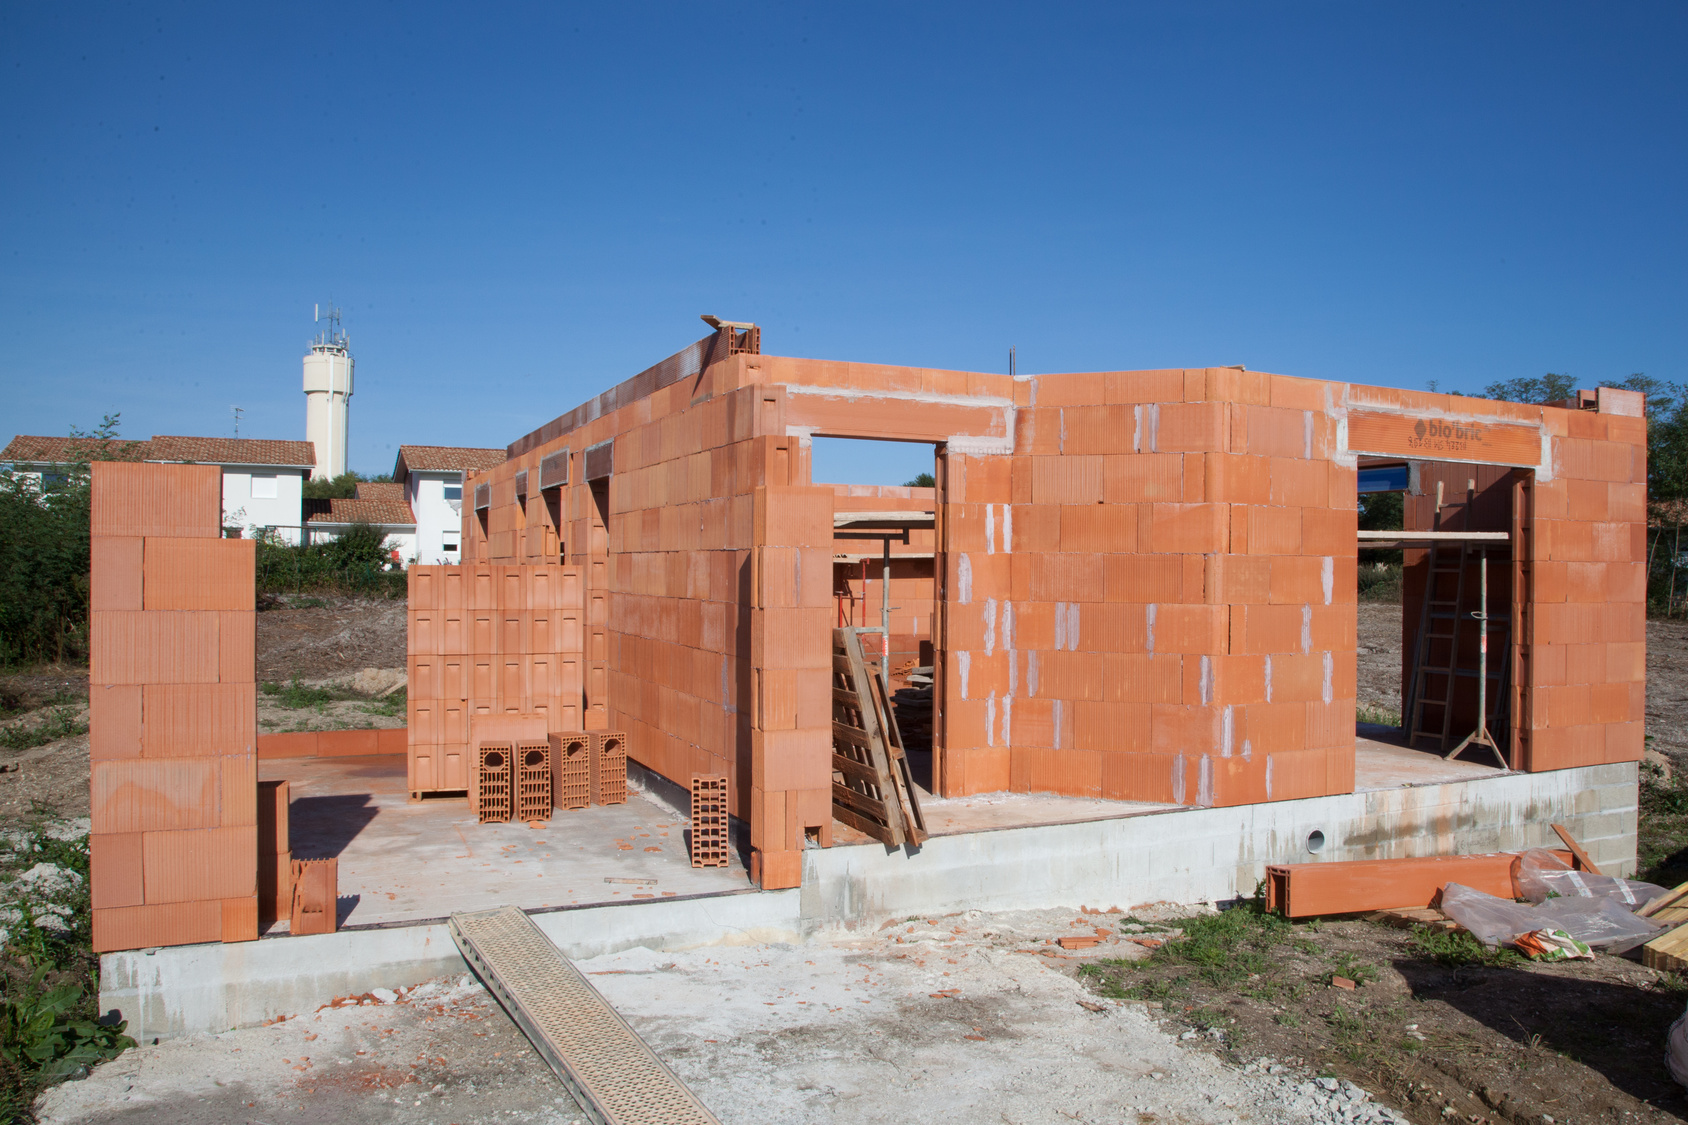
44,586
924,480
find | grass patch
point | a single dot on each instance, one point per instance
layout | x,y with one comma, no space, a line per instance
1379,582
1382,716
1222,951
1453,949
49,988
60,722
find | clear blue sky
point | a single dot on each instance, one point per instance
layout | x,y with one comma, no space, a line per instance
517,207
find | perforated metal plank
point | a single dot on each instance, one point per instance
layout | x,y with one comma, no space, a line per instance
615,1077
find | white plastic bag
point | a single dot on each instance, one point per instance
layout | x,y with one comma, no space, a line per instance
1539,875
1599,922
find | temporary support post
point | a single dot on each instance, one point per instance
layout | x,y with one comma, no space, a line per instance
1481,736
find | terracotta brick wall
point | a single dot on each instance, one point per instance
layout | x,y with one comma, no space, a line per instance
173,729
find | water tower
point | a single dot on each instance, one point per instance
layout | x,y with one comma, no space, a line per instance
328,393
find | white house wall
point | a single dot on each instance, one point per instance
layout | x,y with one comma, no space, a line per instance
437,521
284,512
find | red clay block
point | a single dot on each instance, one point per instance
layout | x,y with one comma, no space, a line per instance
391,740
1144,578
1188,427
138,498
707,839
1066,480
348,743
1140,777
189,720
236,639
239,791
608,767
142,927
774,871
316,896
210,863
198,574
138,648
240,918
114,572
140,794
1186,528
114,721
274,799
1305,890
1188,628
114,869
1237,478
1141,477
300,744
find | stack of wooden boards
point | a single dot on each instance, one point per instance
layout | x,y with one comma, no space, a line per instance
872,790
1669,951
524,778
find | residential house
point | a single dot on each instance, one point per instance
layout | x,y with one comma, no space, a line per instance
432,477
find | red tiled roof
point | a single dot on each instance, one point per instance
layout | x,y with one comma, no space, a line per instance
446,458
31,449
231,451
27,448
380,490
382,513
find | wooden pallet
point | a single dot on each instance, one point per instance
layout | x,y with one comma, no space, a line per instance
872,790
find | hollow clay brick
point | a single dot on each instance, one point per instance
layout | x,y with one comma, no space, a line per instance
776,870
114,721
236,640
114,572
210,863
141,927
189,720
274,800
1186,528
239,791
140,498
240,918
140,794
136,648
1188,427
315,900
347,743
1139,777
213,574
114,866
608,767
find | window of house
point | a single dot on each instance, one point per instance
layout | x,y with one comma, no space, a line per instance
263,486
449,546
454,492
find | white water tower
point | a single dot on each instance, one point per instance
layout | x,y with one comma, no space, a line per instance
328,393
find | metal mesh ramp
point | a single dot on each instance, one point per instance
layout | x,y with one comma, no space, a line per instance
614,1076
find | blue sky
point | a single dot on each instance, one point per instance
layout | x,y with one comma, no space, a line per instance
517,207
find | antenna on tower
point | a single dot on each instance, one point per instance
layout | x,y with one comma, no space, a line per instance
238,411
332,337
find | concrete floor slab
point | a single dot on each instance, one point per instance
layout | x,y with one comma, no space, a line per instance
1383,760
405,861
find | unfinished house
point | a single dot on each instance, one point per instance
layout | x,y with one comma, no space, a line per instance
1141,584
1112,654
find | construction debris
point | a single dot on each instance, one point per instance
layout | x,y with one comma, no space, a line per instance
1306,890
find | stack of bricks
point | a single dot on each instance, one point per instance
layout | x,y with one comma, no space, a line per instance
173,730
488,640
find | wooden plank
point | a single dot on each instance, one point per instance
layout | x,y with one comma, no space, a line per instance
854,769
1576,849
1668,951
846,697
914,822
863,824
840,663
1665,902
843,795
855,736
878,753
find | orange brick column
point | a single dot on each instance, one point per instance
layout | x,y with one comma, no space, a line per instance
979,678
791,619
173,731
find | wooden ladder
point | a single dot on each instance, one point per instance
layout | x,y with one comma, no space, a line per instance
1433,610
872,789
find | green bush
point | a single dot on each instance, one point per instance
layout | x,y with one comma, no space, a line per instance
44,555
355,563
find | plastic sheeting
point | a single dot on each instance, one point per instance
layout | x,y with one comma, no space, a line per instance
1539,874
1599,922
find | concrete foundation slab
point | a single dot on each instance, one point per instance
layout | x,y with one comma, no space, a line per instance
404,861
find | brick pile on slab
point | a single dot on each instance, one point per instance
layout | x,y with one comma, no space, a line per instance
173,729
488,641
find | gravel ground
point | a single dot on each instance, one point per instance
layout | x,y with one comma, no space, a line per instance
959,1019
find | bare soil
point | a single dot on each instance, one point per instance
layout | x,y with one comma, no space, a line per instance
317,637
1569,1042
